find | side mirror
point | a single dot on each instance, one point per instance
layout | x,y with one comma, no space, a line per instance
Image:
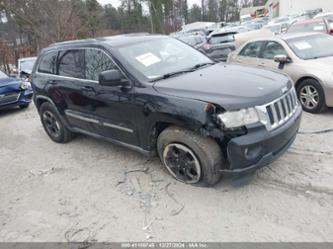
112,78
282,60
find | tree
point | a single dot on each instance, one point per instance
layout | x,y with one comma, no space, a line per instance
212,11
45,21
194,13
91,12
223,8
111,18
156,12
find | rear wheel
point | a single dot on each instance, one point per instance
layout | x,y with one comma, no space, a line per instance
311,95
53,125
189,157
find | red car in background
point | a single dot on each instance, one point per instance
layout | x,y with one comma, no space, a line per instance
320,25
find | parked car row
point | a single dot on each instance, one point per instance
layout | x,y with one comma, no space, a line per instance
218,40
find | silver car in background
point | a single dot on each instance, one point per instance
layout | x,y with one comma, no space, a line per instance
306,58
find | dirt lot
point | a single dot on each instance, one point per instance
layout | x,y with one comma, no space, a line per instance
93,190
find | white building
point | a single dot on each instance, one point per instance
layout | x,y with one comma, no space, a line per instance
286,7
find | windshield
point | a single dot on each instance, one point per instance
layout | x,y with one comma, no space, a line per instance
222,38
312,47
308,27
155,58
3,76
27,65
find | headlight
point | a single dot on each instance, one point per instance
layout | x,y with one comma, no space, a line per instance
25,85
235,119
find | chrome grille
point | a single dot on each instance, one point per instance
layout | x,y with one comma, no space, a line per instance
279,111
8,98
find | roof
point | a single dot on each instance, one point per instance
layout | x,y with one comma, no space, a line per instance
284,37
310,21
113,41
288,36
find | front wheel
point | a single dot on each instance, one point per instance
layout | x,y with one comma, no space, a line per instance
311,95
189,157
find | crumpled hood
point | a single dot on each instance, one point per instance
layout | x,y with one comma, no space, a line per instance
9,84
230,86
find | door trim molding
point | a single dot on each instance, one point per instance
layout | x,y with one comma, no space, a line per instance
77,115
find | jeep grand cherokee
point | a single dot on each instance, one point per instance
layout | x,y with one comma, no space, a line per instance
153,93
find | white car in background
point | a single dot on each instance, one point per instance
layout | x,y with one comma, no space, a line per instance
25,66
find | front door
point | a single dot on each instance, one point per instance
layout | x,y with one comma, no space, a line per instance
112,105
270,50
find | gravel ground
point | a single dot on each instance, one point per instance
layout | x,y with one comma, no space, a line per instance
93,190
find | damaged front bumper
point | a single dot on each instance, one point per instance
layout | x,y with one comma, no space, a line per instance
260,147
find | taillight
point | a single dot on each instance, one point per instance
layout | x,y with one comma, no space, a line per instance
206,46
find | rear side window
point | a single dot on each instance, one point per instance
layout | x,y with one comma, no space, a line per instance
71,64
96,62
48,63
252,49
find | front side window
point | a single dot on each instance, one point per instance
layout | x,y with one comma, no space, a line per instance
272,49
71,64
48,63
96,62
251,50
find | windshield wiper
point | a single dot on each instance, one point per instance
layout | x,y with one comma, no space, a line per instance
192,69
168,75
197,66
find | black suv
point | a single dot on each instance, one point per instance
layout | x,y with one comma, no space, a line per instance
153,93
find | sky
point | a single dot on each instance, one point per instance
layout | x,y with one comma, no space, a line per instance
116,3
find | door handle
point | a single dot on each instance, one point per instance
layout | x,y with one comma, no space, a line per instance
52,82
88,91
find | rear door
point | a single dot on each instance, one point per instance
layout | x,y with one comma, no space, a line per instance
249,55
75,91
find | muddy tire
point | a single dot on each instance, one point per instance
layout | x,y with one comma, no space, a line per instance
53,125
190,157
